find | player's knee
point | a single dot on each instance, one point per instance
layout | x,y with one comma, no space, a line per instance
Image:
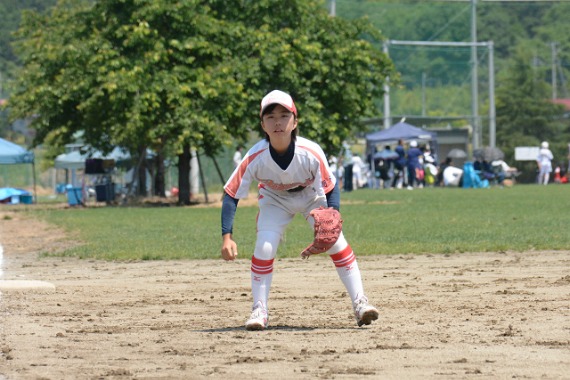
266,245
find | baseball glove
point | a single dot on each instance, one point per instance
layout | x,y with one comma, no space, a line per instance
327,228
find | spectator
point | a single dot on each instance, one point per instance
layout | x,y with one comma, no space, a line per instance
502,166
430,170
400,166
486,171
439,178
544,162
452,176
415,166
384,166
237,156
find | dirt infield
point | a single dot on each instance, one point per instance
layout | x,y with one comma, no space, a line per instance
464,316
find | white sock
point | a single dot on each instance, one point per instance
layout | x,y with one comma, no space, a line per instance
261,277
349,273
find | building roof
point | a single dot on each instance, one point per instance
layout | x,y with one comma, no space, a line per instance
564,102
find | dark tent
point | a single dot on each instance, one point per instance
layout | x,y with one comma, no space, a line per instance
11,153
399,131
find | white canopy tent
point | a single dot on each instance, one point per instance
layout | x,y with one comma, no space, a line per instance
12,154
76,160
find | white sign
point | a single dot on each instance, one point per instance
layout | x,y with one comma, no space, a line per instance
526,153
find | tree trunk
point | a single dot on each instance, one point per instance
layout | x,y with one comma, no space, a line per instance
159,181
142,173
184,175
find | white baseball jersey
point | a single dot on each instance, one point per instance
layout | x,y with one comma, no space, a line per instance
309,167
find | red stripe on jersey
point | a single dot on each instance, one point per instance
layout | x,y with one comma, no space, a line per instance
344,258
326,180
233,186
259,266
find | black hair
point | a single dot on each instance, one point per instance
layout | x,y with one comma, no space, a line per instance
270,108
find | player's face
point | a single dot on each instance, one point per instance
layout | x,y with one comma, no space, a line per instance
278,124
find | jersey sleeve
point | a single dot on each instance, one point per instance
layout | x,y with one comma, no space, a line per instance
240,181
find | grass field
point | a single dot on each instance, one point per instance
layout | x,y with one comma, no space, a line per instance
433,220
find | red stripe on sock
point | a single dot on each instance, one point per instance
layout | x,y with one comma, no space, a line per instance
343,258
259,266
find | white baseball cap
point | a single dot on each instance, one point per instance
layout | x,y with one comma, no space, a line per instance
544,145
278,97
414,144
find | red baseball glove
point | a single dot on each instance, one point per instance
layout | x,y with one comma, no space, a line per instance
327,228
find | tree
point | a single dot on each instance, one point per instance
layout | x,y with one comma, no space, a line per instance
174,75
525,114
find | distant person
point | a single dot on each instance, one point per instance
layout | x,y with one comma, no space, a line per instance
333,165
384,166
439,177
238,156
430,170
452,176
400,176
415,165
358,175
486,171
509,171
557,174
544,162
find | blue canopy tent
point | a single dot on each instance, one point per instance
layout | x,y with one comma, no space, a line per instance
11,154
401,131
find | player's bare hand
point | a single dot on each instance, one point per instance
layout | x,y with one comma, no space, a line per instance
229,248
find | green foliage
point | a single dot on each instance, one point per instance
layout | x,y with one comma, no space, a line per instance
525,114
162,74
515,28
434,220
10,12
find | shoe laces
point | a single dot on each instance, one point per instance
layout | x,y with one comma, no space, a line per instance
360,302
258,311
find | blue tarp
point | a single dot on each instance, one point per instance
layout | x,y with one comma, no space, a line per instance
11,153
11,195
471,178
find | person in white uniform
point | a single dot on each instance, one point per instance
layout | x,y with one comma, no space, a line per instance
293,176
237,156
544,161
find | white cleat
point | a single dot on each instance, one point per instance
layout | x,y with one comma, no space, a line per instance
258,319
363,312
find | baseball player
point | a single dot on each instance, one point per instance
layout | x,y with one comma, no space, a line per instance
544,162
293,176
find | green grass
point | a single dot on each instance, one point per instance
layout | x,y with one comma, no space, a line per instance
434,220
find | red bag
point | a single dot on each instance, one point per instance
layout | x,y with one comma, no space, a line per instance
420,174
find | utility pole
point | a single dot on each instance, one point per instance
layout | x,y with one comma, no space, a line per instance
424,75
333,8
387,118
553,75
474,78
492,114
